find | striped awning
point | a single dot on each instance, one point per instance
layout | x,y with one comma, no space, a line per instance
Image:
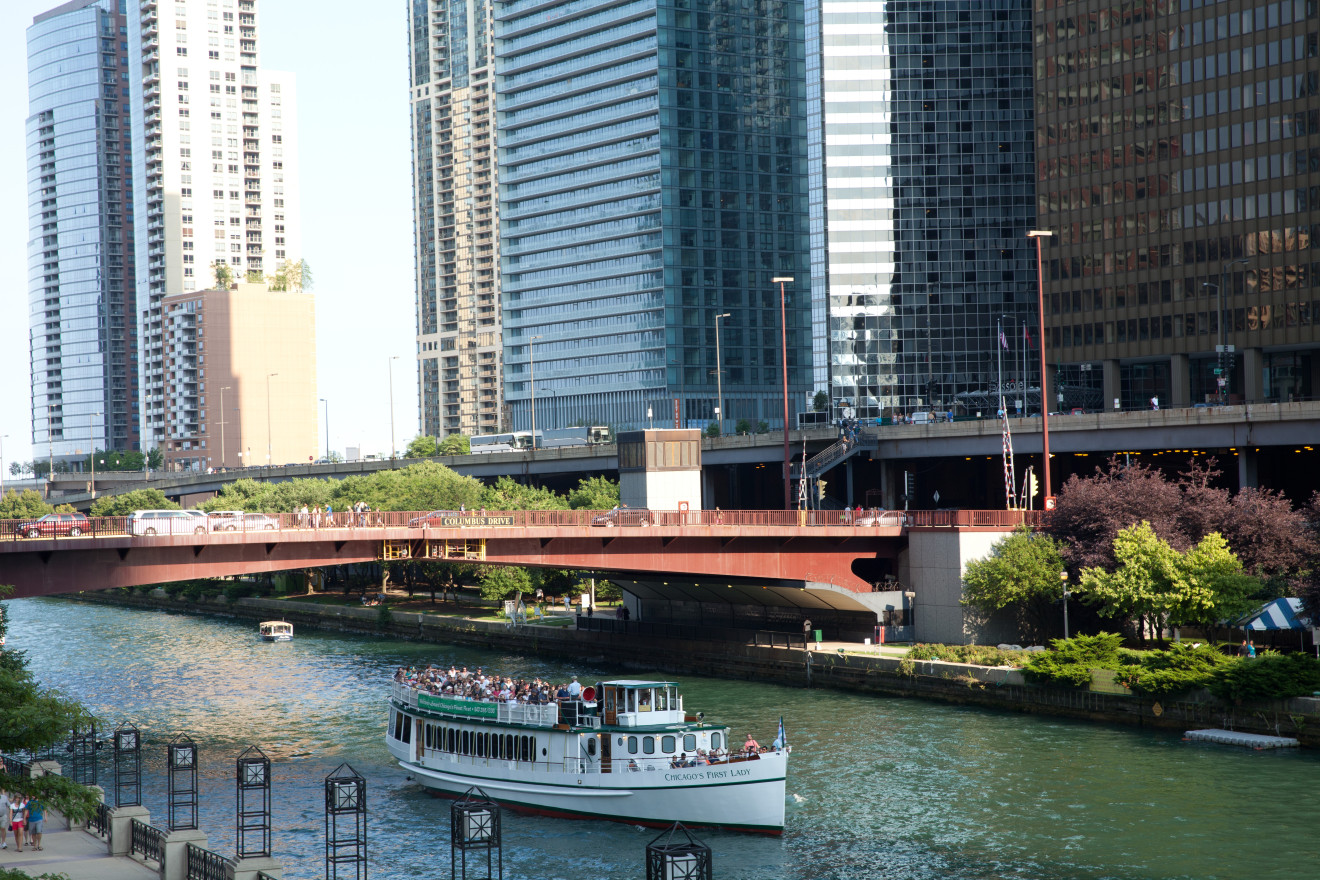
1278,614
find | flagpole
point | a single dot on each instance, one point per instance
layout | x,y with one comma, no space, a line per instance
999,358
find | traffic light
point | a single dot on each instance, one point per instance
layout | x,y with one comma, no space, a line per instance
1032,488
820,488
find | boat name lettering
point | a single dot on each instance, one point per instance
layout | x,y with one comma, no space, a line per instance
730,773
471,708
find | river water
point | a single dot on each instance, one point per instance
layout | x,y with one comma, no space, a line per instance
878,787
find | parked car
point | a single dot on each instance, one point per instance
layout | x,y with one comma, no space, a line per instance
167,522
624,516
70,524
434,519
237,520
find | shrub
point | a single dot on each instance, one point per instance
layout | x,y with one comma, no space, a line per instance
1161,673
1269,677
1069,661
979,655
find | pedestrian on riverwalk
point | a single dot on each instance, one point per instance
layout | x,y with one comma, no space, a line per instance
35,822
4,819
806,630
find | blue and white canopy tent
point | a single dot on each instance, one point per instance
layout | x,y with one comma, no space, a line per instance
1282,614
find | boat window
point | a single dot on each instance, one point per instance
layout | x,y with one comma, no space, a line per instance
667,745
467,742
716,740
522,748
632,701
450,735
591,747
648,745
508,747
632,745
690,743
662,699
428,736
645,700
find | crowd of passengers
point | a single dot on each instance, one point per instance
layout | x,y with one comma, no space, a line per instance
463,684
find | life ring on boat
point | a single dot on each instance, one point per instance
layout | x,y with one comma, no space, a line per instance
588,694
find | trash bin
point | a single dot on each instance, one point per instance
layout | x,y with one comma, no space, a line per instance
818,636
866,641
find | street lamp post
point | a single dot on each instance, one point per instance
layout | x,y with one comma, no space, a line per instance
1039,234
531,366
1222,350
91,441
50,447
327,428
223,389
2,466
268,378
390,364
783,344
1063,576
719,377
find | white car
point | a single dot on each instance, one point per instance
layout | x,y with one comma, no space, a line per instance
167,522
238,521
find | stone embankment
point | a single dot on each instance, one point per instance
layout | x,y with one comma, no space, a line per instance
852,668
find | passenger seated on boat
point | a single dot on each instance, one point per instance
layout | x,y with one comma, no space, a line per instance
680,761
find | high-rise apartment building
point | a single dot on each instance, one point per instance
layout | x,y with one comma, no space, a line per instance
921,195
652,176
1178,164
456,235
242,377
214,176
80,247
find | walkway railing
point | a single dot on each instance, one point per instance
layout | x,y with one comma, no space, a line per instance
99,822
203,864
454,522
148,842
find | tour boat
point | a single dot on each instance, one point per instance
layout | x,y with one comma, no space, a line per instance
626,751
276,631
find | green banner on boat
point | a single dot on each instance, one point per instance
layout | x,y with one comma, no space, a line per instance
470,708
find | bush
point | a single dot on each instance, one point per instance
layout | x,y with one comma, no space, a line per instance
1269,677
1069,661
1161,673
979,655
234,590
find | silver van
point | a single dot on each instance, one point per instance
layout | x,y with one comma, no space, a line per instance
167,522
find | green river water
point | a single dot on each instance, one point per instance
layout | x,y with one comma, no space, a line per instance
878,787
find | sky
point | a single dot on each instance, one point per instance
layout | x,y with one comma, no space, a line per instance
355,169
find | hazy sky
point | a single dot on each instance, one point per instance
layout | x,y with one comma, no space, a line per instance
355,162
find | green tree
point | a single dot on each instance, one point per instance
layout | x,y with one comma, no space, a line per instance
742,426
1022,570
713,429
155,459
509,494
27,504
455,444
224,276
821,402
1213,586
421,446
762,427
293,275
1146,585
594,493
499,582
138,499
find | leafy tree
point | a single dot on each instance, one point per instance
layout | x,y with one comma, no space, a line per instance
1023,569
499,582
556,582
762,427
594,493
1143,587
422,446
224,276
155,459
509,494
742,426
1270,536
821,402
138,499
27,504
294,275
455,444
1212,585
713,429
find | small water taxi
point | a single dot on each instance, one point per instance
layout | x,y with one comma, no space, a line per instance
623,751
276,631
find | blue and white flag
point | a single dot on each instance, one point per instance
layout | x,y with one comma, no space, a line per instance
782,738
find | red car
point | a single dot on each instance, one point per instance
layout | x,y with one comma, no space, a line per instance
70,524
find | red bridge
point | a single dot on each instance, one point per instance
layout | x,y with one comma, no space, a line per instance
813,550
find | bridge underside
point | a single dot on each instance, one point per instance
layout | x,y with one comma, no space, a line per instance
839,560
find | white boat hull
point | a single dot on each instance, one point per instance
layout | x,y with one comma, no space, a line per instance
741,796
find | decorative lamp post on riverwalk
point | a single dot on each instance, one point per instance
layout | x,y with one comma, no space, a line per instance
181,765
390,364
91,441
252,800
345,824
327,428
1039,234
675,857
1063,576
474,825
531,372
783,354
128,766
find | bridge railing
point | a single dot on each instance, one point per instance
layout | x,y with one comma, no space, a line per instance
451,521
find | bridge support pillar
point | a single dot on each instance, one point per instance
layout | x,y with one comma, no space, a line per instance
1253,375
1247,476
1113,383
1180,381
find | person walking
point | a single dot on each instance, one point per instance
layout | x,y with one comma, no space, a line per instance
4,819
35,822
806,631
18,820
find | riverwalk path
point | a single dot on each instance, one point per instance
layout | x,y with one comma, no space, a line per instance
75,854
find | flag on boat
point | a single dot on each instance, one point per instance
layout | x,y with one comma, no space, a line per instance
782,738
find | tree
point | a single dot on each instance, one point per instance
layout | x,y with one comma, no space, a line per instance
821,402
1212,585
500,582
762,427
27,504
421,446
455,444
742,426
1145,585
155,459
713,429
292,275
138,499
509,494
594,493
224,276
1270,536
1023,569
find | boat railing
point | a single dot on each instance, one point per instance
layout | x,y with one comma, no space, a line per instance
570,712
588,766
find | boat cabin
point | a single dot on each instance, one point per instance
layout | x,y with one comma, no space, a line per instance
276,631
629,703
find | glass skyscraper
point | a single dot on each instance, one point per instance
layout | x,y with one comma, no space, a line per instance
652,174
922,194
80,248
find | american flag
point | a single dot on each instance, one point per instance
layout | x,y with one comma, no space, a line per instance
1003,340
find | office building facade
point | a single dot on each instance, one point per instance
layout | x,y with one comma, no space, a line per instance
241,377
652,176
80,247
921,136
214,175
456,224
1178,163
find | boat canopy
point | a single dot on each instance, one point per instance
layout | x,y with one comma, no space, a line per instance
276,626
1278,614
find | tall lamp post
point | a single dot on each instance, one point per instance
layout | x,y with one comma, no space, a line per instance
268,378
390,364
1222,350
719,376
2,466
1039,234
327,428
223,389
783,344
91,438
531,366
1063,576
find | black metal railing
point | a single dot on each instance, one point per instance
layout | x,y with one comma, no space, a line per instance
99,822
204,864
769,638
148,842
